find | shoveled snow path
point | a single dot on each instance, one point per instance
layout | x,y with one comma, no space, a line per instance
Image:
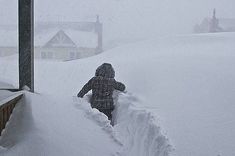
58,128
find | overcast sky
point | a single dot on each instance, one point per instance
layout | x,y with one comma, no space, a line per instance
126,17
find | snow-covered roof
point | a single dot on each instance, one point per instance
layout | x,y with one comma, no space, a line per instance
82,37
60,39
40,39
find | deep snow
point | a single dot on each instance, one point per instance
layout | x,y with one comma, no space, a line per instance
187,81
134,128
46,125
57,126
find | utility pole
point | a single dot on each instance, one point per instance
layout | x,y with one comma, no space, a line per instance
26,44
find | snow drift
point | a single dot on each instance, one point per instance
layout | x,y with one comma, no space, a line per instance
43,130
186,80
20,137
135,129
43,125
138,129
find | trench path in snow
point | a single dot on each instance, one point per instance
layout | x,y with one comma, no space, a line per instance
57,126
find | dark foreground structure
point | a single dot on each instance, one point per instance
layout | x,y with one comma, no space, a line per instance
6,109
26,54
26,60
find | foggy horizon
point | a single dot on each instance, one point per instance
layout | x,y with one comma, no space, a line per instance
125,18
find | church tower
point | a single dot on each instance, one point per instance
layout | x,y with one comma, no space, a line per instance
214,23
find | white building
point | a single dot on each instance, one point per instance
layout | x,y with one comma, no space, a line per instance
214,24
57,40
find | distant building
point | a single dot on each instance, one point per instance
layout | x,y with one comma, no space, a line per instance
57,40
214,24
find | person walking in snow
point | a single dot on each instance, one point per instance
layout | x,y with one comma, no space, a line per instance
102,85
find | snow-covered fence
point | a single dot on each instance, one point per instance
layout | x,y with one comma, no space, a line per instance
6,107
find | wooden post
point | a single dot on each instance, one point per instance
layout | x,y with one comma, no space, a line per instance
26,46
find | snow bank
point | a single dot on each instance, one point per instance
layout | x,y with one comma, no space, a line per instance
138,129
98,117
188,81
19,127
52,126
135,129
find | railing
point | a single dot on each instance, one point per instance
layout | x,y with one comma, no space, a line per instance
6,108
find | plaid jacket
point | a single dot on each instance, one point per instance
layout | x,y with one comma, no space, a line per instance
102,91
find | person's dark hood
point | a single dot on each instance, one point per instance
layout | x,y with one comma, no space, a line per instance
105,70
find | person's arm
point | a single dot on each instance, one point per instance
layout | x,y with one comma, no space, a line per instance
119,86
86,88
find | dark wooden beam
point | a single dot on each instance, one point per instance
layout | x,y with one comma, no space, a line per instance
6,108
26,44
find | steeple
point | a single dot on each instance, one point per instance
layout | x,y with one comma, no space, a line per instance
214,23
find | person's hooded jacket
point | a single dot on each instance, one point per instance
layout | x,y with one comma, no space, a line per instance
102,85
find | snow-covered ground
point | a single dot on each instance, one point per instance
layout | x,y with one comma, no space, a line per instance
57,126
186,82
43,126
